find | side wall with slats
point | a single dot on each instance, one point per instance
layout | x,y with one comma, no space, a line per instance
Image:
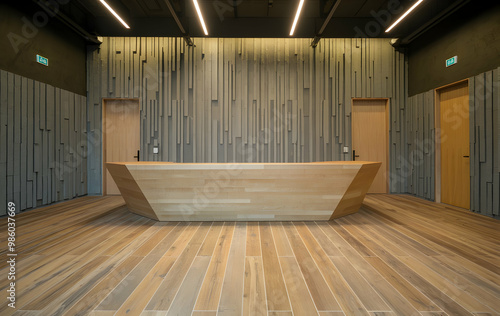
419,164
484,120
484,102
241,100
43,141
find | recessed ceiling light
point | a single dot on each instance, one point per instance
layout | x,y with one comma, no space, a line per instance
114,13
301,3
200,16
404,15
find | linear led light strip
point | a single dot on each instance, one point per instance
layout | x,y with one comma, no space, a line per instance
114,13
404,15
296,17
200,16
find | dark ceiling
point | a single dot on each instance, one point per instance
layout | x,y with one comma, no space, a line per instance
254,18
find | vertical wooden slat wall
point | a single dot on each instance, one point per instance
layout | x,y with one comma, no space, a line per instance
244,100
419,163
484,98
43,141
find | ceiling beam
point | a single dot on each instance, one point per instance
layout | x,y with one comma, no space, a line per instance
431,23
316,39
185,35
52,11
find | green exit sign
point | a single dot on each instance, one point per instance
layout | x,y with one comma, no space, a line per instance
451,61
42,60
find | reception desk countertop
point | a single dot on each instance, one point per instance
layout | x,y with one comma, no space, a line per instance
314,191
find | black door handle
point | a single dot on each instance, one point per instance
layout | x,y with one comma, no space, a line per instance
354,155
466,156
138,156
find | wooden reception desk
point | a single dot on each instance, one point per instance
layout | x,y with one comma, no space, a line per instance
243,191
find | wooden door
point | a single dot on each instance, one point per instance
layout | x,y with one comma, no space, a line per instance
370,137
455,162
121,127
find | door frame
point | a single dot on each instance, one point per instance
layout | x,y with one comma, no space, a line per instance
437,136
387,139
103,126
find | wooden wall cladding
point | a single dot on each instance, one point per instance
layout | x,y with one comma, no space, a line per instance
43,143
245,100
418,166
484,98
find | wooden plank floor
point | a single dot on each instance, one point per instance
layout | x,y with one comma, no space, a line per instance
398,256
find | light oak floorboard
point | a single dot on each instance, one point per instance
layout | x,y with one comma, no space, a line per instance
302,303
449,289
394,299
204,313
320,292
185,299
209,296
146,289
254,295
208,246
277,296
120,293
280,240
231,301
443,301
399,255
253,240
92,298
169,286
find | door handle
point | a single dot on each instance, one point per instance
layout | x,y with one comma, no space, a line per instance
138,156
354,155
466,156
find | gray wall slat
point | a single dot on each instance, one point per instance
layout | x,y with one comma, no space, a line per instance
24,140
30,142
472,140
476,181
42,99
17,141
480,115
10,131
488,126
30,163
485,186
3,141
57,145
50,109
71,145
496,142
419,164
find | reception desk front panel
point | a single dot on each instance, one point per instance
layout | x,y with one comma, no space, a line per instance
243,191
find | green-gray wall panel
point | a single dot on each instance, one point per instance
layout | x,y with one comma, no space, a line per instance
40,161
276,100
3,140
420,135
484,98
